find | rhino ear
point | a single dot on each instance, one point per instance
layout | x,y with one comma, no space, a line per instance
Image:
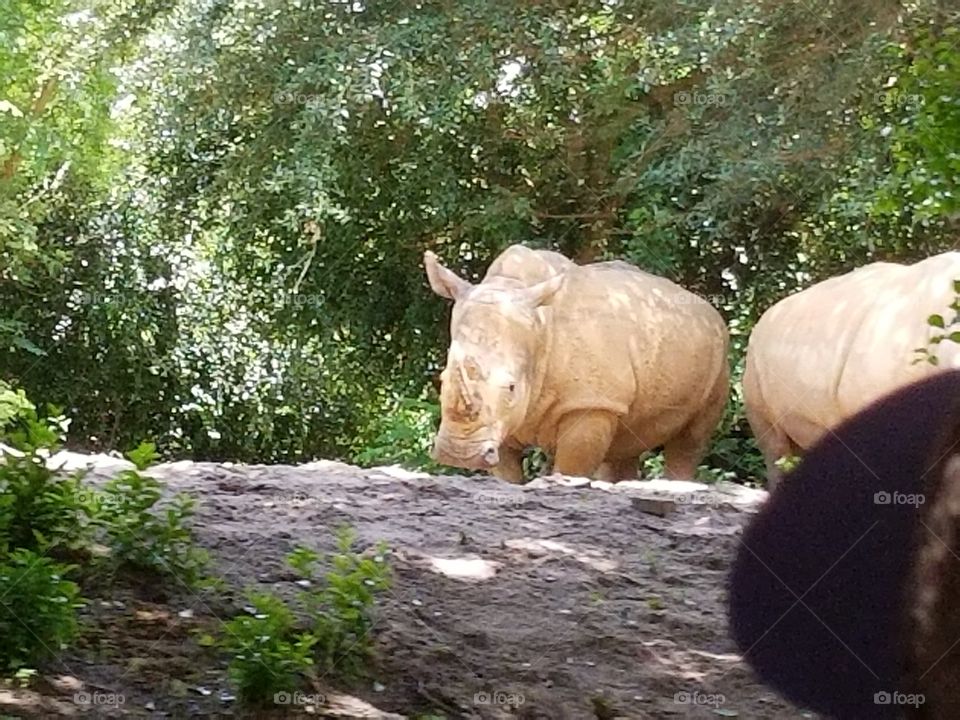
444,282
543,293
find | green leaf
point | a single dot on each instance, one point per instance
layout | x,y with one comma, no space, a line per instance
935,321
144,455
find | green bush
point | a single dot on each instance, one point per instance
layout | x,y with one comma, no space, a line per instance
14,406
37,608
142,536
343,608
270,651
46,516
269,655
401,434
40,510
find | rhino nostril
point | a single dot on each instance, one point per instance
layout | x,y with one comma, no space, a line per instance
490,456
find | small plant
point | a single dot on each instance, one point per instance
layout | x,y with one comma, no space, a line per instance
40,510
653,466
37,608
938,323
46,517
402,434
143,537
14,406
535,463
25,430
270,652
787,463
343,622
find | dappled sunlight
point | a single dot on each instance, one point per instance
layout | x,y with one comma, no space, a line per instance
464,568
27,703
688,664
400,473
591,558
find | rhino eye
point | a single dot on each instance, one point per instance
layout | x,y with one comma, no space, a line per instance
512,387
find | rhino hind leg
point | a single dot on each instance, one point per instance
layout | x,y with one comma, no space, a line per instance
774,443
683,452
682,456
583,441
619,469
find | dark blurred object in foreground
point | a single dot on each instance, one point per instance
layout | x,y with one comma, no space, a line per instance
845,594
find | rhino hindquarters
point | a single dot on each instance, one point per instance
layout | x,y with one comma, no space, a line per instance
683,452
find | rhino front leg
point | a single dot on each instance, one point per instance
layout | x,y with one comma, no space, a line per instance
583,440
510,467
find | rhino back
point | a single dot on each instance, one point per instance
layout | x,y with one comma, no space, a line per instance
633,343
823,353
520,265
882,355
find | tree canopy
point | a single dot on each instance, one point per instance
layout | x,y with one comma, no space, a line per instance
212,214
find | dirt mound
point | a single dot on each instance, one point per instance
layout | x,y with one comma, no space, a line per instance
559,599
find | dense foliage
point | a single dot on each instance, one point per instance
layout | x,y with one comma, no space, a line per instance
212,214
60,536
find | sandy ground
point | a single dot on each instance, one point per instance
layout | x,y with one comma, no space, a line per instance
559,599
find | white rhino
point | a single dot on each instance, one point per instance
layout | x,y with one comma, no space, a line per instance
598,364
820,355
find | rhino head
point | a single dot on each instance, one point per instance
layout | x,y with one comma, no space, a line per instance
496,335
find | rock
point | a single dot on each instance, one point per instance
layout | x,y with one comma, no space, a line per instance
652,506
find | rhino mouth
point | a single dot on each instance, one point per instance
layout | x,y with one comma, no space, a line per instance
471,455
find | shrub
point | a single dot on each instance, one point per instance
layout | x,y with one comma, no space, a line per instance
402,434
14,405
45,516
343,609
141,537
37,608
40,510
268,655
270,651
